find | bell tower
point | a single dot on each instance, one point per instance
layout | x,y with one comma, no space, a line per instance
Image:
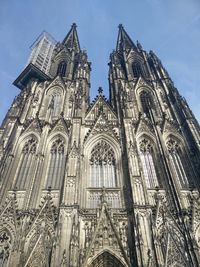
161,151
112,182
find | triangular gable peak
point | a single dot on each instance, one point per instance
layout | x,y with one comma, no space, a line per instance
58,81
170,126
61,53
102,125
141,82
75,151
101,106
104,230
144,125
33,126
134,55
9,209
61,126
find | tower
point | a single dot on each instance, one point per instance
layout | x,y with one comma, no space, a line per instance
109,183
42,50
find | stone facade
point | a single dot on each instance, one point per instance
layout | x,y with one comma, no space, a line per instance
109,183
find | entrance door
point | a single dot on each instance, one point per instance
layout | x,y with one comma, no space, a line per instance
106,260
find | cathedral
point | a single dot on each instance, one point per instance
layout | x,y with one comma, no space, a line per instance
109,183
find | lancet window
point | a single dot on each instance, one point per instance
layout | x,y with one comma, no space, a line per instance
146,101
26,169
102,185
176,160
148,166
55,101
102,166
62,68
137,71
56,165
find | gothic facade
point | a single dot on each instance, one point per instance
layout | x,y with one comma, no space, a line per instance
108,183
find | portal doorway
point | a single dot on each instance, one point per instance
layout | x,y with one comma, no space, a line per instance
106,259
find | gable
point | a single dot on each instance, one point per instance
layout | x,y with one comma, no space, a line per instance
100,106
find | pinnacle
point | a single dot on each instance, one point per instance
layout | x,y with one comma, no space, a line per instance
100,90
74,25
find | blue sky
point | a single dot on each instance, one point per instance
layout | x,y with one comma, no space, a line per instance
171,28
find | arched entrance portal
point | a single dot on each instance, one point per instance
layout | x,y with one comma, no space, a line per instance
106,260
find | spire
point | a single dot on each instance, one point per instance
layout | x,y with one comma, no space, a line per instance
124,41
71,40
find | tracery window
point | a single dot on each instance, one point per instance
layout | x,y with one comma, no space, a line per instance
5,248
177,164
26,169
55,103
146,101
102,183
148,166
56,165
137,71
62,68
102,166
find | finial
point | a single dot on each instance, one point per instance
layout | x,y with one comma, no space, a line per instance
100,90
74,25
120,26
139,45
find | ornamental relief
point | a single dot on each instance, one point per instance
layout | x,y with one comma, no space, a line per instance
170,126
172,145
32,125
70,181
102,127
105,234
143,125
145,145
132,149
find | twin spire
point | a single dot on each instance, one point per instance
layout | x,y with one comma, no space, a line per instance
123,41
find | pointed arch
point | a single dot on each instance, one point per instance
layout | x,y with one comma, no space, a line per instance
137,66
56,163
176,157
146,150
146,101
109,139
137,70
26,163
102,165
62,67
53,102
103,169
106,259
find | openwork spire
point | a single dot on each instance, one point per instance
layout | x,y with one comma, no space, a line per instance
71,41
124,41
